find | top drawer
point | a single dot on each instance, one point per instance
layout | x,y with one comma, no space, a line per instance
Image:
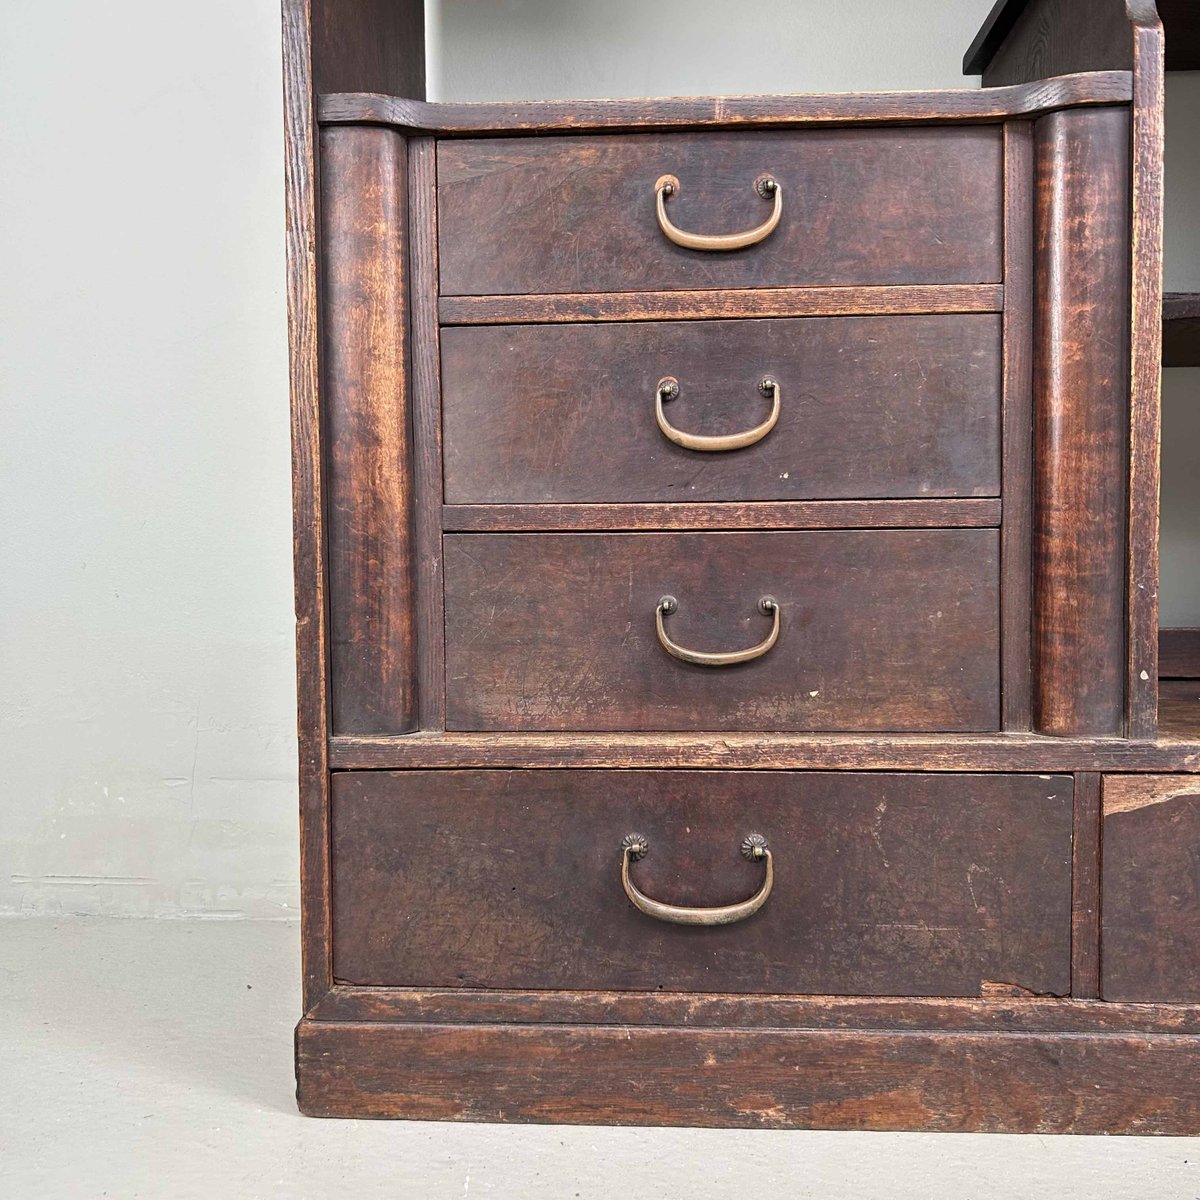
859,206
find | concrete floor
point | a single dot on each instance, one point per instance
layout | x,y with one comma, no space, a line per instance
153,1058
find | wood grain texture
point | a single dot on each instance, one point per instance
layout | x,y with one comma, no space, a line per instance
1145,370
1179,749
427,435
999,1010
714,304
1085,888
1151,925
872,407
894,629
620,1075
526,891
1054,37
302,200
1181,329
369,46
1180,19
368,450
1081,396
860,206
1016,538
729,112
813,514
1179,654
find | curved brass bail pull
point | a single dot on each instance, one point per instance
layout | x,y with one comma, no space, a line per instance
668,604
766,186
754,847
668,389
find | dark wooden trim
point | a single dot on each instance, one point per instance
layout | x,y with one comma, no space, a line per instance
997,25
368,430
721,305
1000,1010
307,503
1016,547
830,1079
427,433
732,112
1179,653
1081,423
1085,889
369,46
1145,372
1181,329
767,751
969,513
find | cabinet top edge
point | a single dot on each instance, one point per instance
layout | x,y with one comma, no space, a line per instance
728,112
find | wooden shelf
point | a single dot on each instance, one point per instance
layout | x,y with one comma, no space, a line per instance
1181,329
1180,18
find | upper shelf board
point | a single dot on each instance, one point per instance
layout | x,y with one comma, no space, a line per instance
1181,26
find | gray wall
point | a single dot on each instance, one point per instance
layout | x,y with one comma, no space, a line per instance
146,676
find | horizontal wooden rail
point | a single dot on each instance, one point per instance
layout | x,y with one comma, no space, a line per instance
1181,329
732,112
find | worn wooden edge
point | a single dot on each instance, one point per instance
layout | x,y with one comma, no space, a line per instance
1016,536
722,304
1022,753
797,1078
1179,653
427,433
1085,888
728,112
1005,1008
965,513
1127,793
302,223
1145,395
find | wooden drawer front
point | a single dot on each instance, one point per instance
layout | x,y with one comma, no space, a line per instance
1150,888
577,214
871,407
880,630
883,884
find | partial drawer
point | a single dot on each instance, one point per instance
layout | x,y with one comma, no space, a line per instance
868,407
856,206
873,630
1150,885
880,884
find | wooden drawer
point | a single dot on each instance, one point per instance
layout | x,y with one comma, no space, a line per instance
1150,884
859,206
870,407
879,630
883,884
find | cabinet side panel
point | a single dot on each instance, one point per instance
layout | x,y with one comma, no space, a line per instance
364,174
1081,397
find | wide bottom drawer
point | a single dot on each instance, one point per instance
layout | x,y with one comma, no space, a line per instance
881,884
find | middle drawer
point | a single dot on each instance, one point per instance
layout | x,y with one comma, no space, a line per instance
881,629
869,407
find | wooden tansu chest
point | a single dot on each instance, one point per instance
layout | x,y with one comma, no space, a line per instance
726,543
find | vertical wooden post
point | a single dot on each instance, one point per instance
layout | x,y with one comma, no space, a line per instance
369,488
1081,423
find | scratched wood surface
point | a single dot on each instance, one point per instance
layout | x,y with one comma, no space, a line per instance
863,206
871,407
1151,881
494,879
880,629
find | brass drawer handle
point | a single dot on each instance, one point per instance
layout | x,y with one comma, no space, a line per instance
754,847
765,186
668,604
668,389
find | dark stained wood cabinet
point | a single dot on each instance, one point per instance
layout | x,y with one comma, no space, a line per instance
726,558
